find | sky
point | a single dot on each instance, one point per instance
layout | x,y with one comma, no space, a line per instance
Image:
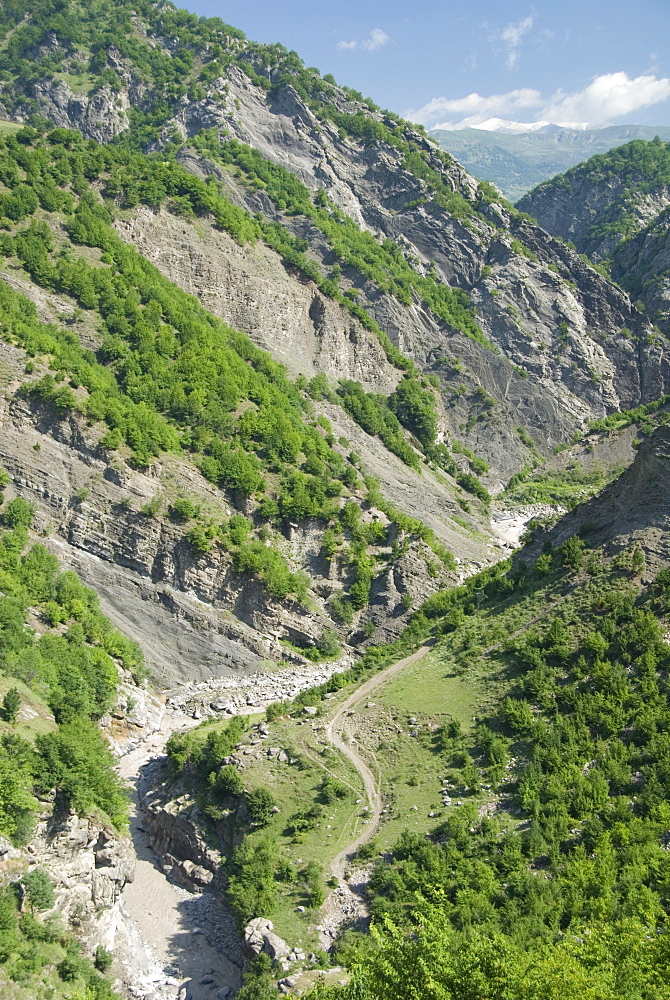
445,63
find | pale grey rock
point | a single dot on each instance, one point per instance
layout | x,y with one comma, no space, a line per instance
259,937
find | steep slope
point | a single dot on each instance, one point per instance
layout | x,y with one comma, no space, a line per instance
642,265
615,209
606,200
169,451
518,162
396,232
633,511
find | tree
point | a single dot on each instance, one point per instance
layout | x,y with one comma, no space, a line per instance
260,804
226,782
11,703
17,514
637,562
572,552
77,760
39,889
103,958
16,779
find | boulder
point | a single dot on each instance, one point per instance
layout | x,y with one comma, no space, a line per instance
259,937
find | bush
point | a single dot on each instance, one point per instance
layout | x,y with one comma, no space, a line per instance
11,703
39,889
571,552
77,760
329,644
103,958
260,805
227,782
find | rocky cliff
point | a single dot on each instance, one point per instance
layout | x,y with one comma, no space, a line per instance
614,208
633,511
541,376
396,257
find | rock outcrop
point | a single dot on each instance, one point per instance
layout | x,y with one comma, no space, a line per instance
633,511
259,937
88,864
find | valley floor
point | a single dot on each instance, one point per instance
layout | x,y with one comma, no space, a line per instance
186,938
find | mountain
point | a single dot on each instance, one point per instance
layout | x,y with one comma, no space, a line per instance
280,381
517,158
614,209
435,333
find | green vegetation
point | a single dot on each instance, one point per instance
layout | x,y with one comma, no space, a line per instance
38,957
531,745
66,676
613,962
71,669
656,410
639,168
168,375
563,487
11,703
541,715
559,834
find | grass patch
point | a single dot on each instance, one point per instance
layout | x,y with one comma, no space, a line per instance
562,487
35,716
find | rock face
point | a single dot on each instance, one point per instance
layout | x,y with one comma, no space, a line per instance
102,116
616,209
251,290
554,320
633,510
88,864
193,616
642,264
174,827
575,205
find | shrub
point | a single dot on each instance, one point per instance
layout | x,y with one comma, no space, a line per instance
39,889
11,703
260,805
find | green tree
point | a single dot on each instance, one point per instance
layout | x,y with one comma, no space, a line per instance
260,804
11,703
39,890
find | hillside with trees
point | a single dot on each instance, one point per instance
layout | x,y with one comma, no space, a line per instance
281,385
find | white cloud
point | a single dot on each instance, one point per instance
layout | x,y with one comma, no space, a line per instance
611,95
608,96
375,40
511,36
476,106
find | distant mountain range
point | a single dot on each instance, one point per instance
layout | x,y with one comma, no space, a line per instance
518,156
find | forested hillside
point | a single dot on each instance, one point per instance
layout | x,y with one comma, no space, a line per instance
59,675
547,872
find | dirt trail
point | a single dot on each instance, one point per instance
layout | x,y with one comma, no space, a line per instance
335,732
181,933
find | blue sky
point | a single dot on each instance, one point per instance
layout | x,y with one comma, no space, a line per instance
440,61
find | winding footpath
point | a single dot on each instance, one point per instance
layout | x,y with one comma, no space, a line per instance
335,734
178,947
